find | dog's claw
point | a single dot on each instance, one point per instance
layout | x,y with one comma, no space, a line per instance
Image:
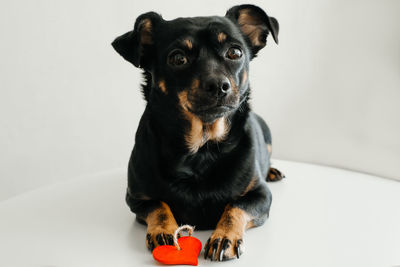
206,248
213,254
170,240
224,245
160,239
150,243
215,247
237,248
221,254
274,175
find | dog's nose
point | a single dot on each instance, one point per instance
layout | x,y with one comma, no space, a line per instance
219,86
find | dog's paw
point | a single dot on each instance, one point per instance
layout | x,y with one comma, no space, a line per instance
160,237
274,175
222,246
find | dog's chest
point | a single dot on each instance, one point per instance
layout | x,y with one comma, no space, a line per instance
195,167
197,182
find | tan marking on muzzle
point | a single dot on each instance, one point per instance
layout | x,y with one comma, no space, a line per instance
194,135
199,133
233,84
244,77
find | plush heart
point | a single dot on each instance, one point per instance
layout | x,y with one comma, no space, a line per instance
189,253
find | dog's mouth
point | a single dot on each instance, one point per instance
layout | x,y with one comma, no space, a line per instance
210,114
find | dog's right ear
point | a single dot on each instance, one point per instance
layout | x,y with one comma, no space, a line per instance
135,46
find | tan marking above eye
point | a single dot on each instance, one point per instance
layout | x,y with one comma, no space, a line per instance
221,37
162,86
188,44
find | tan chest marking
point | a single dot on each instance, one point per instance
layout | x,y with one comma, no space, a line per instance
199,133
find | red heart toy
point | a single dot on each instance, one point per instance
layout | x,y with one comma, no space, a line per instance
186,253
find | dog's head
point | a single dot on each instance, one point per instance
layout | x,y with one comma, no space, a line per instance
200,63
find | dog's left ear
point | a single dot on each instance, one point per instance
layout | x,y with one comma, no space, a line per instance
255,24
136,46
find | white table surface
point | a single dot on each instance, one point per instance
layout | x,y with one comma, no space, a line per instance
320,216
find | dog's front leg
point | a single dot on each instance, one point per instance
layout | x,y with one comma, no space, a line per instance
161,224
250,210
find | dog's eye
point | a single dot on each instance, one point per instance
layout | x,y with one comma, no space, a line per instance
234,53
177,58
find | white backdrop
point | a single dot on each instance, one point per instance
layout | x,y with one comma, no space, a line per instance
69,105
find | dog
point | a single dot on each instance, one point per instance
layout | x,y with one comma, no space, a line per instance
201,156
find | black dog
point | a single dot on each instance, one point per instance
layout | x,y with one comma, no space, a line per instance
201,156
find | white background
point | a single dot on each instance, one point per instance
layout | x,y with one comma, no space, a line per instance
69,105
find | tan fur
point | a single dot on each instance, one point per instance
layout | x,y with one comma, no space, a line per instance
274,175
221,37
183,100
234,85
195,136
195,84
188,44
160,221
199,133
162,86
232,225
250,27
145,28
244,77
269,148
218,130
271,176
249,186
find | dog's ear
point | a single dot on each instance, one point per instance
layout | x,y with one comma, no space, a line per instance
255,24
135,46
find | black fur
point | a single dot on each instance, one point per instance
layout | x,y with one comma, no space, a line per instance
197,186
